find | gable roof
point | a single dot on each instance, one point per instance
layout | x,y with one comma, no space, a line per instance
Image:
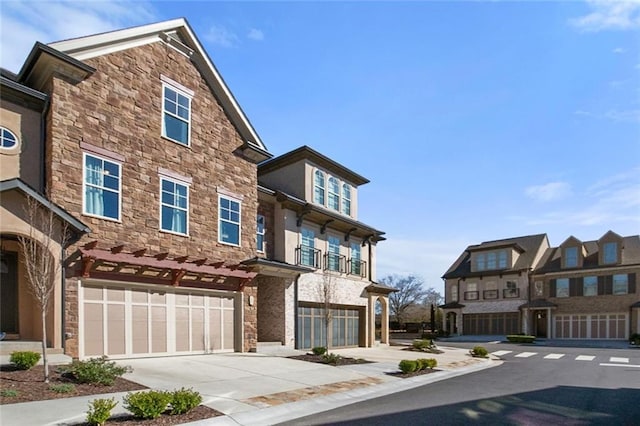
306,153
528,247
178,34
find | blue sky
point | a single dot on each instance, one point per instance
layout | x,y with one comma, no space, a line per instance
474,121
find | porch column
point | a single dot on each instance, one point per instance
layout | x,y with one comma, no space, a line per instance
525,321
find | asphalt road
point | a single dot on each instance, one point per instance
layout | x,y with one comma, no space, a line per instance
533,386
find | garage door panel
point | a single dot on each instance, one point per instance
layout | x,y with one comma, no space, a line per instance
93,329
140,329
182,329
197,330
215,329
158,329
228,329
596,326
116,329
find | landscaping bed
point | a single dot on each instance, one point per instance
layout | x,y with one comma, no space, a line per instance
402,375
199,413
320,359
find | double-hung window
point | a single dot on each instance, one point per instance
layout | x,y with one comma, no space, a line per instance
176,112
562,287
334,194
333,253
620,284
174,206
491,260
307,248
318,187
480,262
571,257
346,199
502,259
101,187
260,231
356,264
590,286
610,253
229,220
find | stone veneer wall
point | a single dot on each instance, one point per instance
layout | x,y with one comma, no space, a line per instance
273,309
119,109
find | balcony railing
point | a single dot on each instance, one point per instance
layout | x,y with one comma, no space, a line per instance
308,256
511,293
334,262
490,294
470,295
357,267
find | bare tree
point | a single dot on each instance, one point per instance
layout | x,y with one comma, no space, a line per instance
46,234
327,294
410,291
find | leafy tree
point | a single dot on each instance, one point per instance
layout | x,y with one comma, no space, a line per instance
410,291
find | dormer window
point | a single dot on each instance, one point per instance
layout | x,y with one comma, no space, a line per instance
491,260
502,259
318,187
480,262
610,253
571,257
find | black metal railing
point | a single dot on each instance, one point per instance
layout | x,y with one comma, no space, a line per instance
357,267
308,256
334,262
490,294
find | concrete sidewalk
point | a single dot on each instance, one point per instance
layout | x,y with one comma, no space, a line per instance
259,389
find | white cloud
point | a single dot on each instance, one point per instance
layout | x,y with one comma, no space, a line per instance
549,192
618,50
24,23
609,15
221,36
255,34
628,116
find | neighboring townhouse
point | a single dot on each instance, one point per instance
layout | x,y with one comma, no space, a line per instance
22,177
315,257
586,290
146,145
487,284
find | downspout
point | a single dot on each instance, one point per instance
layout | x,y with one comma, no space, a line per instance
295,313
43,152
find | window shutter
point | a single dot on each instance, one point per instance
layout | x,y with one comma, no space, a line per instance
632,283
608,284
573,287
579,286
601,285
552,288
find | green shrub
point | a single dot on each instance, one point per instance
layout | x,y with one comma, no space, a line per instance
520,338
423,344
184,400
147,405
408,366
100,411
24,360
8,393
634,339
319,350
332,359
479,352
62,388
97,371
427,363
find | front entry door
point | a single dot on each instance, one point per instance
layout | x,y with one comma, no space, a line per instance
541,324
9,292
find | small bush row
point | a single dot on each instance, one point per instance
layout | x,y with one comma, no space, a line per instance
24,360
319,350
520,338
479,352
409,365
97,371
146,405
332,359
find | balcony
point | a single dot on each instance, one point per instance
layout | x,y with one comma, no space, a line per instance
357,267
334,262
490,294
308,256
511,293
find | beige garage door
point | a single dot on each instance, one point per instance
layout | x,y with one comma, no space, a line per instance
135,321
596,326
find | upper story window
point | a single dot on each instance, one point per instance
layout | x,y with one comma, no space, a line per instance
333,254
346,199
472,292
174,206
491,260
502,259
8,139
229,220
101,187
562,287
511,290
260,232
334,194
356,263
571,257
176,113
620,284
481,262
318,187
610,253
307,248
454,293
590,286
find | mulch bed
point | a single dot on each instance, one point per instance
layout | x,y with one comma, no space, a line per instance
318,359
402,375
29,386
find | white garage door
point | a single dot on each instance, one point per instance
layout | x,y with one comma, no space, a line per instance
596,326
137,321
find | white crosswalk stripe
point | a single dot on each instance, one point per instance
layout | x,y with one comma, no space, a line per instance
500,353
585,357
554,356
526,354
617,359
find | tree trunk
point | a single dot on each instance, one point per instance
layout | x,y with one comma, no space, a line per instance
45,361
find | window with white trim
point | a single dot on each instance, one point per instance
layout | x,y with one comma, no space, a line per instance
8,139
229,220
502,259
260,232
356,262
610,253
346,199
101,187
562,287
491,260
571,257
318,187
454,293
480,262
590,286
176,114
620,284
174,206
333,253
333,200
